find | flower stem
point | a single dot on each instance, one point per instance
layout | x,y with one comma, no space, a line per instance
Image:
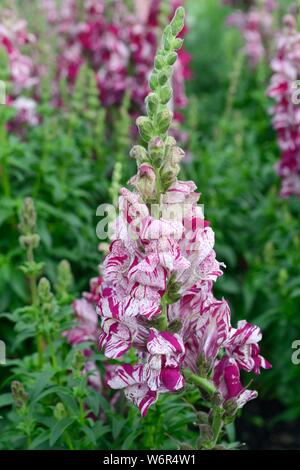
163,320
34,301
200,382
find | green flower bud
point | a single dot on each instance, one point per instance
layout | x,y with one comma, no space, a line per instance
64,277
145,127
29,241
168,38
139,153
177,22
177,43
165,94
153,82
19,395
164,119
159,62
156,151
163,78
27,216
171,58
145,182
44,291
59,411
152,103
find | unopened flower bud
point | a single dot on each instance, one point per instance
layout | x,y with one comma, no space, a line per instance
177,43
156,150
145,128
162,78
152,103
167,38
45,295
159,62
153,82
139,153
19,395
29,241
177,22
164,120
145,181
171,58
27,216
59,411
165,94
64,277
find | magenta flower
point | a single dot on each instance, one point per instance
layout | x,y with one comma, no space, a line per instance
242,345
285,113
86,327
227,380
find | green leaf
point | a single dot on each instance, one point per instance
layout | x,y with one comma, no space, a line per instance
6,399
40,439
41,383
59,429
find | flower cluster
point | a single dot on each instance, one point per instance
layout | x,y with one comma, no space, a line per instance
118,43
14,36
286,112
256,26
156,299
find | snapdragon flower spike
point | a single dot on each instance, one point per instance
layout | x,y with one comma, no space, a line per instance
285,113
257,28
156,298
14,34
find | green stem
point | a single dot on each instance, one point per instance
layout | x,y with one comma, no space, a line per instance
81,411
34,301
68,441
52,352
163,320
5,180
200,382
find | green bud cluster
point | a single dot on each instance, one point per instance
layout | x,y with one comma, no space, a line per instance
64,280
19,394
29,239
161,152
59,411
46,298
27,217
27,225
